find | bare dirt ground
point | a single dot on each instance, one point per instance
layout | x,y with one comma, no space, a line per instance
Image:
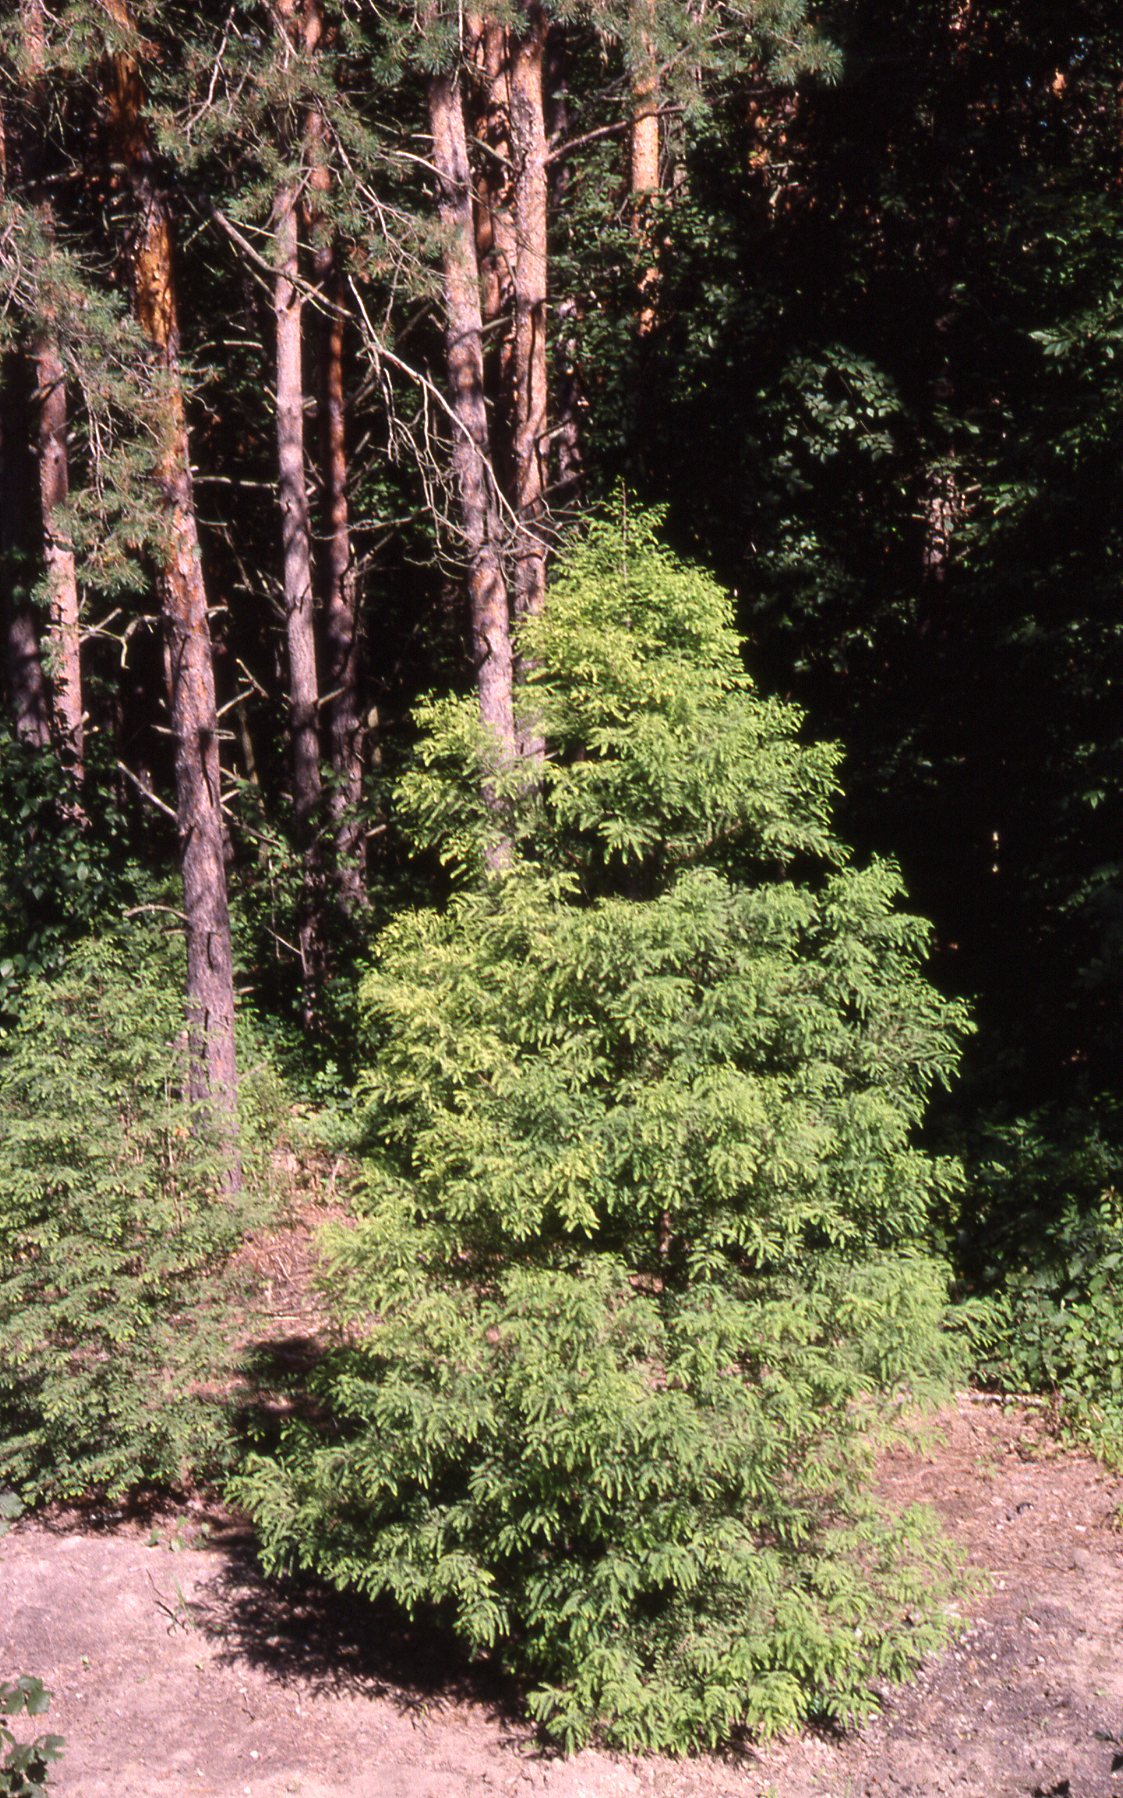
176,1670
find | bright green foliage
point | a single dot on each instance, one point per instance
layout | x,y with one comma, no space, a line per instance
649,767
646,1222
116,1316
25,1766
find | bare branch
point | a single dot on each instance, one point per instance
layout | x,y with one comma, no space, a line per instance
152,798
614,130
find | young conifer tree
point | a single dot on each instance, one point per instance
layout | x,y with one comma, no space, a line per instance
644,1244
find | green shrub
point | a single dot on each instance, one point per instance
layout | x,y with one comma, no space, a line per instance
117,1307
643,1247
56,877
1048,1224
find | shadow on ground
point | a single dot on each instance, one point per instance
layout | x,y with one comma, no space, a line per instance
301,1632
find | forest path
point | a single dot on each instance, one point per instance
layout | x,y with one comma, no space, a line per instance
175,1670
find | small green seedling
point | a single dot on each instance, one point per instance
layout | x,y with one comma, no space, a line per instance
24,1766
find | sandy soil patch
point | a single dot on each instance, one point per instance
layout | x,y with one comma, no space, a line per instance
176,1670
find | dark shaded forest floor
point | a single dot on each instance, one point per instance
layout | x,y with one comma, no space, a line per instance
175,1669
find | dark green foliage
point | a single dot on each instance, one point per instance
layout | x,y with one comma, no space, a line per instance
57,874
117,1310
112,517
901,288
646,1225
25,1766
1046,1244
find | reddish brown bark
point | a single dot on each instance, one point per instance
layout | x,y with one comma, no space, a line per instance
496,249
531,209
296,523
341,633
296,582
183,599
644,170
478,505
52,426
340,621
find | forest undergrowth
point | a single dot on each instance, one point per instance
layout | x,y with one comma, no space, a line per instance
641,1256
559,715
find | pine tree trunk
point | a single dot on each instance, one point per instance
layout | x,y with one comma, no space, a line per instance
478,506
52,430
339,587
531,209
296,542
183,600
52,427
496,248
296,525
644,172
341,625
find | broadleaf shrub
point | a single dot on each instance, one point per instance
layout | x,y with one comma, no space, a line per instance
25,1767
118,1308
1046,1250
643,1254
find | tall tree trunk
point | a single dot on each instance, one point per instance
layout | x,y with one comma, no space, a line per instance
531,209
644,171
52,427
296,544
339,585
341,624
183,599
52,431
296,523
480,518
496,248
942,511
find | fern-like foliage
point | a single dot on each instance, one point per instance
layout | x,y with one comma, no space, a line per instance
117,1310
645,1227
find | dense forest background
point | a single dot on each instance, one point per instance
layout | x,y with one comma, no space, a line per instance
327,331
